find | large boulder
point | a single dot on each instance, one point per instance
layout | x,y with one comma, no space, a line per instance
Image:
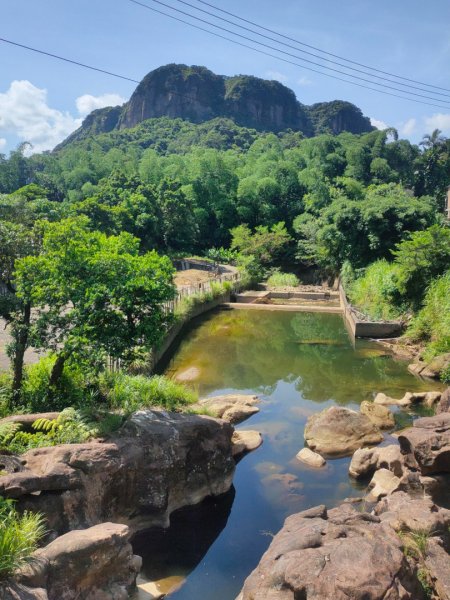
160,462
380,415
334,555
338,431
233,408
427,444
81,565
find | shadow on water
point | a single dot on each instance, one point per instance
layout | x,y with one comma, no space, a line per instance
299,364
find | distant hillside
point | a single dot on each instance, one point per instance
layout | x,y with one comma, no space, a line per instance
198,95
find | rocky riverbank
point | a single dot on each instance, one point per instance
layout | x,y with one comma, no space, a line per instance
95,495
392,545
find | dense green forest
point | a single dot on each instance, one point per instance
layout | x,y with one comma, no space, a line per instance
90,226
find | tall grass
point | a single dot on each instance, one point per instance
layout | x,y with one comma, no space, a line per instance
280,279
375,293
133,392
19,537
431,325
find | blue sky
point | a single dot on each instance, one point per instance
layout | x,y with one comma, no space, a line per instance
42,99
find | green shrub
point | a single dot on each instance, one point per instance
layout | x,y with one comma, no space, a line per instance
279,279
133,392
38,396
375,293
5,395
19,537
221,255
431,325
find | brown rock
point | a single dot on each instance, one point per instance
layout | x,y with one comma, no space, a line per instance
233,408
427,444
444,402
312,459
403,513
432,368
336,556
90,564
160,462
245,441
340,431
384,400
383,483
366,461
438,566
380,415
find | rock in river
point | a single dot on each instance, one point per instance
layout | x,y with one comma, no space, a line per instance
313,459
380,415
340,431
233,408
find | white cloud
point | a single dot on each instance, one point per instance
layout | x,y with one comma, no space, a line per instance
24,112
276,75
438,121
408,127
378,124
87,103
304,81
2,143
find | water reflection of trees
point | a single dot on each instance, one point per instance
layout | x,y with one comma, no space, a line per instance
256,349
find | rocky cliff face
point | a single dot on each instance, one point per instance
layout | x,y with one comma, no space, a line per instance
198,95
337,116
160,462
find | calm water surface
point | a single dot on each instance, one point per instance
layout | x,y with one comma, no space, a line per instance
299,363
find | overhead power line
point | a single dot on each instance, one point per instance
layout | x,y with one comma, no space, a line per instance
353,62
74,62
341,64
279,57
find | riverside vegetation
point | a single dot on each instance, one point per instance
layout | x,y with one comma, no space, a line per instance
87,234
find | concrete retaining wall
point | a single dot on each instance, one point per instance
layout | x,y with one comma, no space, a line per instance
366,329
177,329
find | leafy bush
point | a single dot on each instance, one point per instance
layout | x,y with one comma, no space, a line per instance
39,396
221,255
19,537
133,392
375,293
432,324
279,279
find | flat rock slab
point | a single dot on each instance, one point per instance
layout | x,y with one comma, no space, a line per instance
338,431
432,368
380,415
312,459
233,408
383,483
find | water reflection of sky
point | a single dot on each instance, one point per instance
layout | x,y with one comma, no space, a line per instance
299,363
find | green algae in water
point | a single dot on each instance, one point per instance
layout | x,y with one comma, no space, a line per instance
299,363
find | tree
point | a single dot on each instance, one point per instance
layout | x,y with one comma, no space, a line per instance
433,139
94,294
421,258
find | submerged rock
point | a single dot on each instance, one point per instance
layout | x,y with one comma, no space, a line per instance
233,408
158,463
312,459
340,431
334,555
91,564
378,414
